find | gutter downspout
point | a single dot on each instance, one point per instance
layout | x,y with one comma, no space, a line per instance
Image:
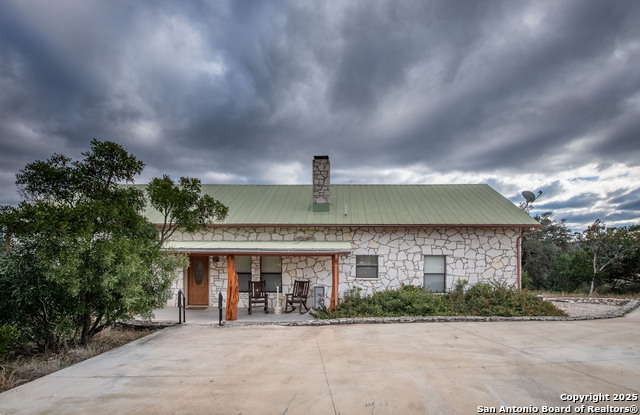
519,253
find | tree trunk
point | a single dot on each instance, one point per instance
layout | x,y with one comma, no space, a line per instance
595,270
96,328
86,326
86,323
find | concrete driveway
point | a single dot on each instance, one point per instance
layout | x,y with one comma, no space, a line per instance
420,368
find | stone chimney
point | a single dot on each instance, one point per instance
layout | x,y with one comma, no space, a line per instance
321,183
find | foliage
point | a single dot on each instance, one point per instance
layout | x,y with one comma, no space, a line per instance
405,301
80,254
597,258
624,276
570,273
182,205
609,248
8,334
527,282
487,300
540,257
541,250
479,300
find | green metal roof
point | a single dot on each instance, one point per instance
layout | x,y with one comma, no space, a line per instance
261,247
370,205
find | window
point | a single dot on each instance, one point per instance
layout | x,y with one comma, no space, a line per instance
434,273
243,269
271,272
366,266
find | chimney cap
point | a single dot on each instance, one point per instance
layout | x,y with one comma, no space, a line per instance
321,157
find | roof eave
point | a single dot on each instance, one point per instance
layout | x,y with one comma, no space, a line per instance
378,225
260,252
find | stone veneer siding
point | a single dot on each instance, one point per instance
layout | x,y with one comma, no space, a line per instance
472,254
321,172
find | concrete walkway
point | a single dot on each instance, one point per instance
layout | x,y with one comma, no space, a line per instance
419,368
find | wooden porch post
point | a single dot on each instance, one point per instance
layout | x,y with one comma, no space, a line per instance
335,281
233,296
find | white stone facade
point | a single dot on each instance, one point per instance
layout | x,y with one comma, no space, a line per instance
321,170
472,254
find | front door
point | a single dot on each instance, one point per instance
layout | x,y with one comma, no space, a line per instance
198,280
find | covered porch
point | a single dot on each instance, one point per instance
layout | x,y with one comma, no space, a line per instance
224,275
210,316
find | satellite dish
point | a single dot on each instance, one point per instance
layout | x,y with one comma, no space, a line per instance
529,196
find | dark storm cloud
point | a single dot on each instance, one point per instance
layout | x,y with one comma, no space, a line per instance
609,219
551,190
579,201
633,205
384,40
244,91
519,91
625,199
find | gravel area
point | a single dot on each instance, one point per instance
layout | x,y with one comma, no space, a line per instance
589,308
586,310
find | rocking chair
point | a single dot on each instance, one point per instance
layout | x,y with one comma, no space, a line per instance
258,295
298,296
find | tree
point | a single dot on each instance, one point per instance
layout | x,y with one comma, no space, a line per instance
538,259
541,249
555,232
183,206
570,271
607,247
79,253
625,275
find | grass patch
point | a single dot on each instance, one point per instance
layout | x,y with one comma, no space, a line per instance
16,370
479,300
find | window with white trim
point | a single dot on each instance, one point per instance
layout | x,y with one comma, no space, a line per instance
434,273
366,266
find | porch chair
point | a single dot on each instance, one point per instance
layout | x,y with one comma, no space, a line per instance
298,296
258,295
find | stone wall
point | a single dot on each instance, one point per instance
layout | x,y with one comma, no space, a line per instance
321,170
472,255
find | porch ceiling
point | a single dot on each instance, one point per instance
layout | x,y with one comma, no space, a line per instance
307,248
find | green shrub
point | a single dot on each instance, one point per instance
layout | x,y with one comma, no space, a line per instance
486,300
480,300
409,300
8,334
527,282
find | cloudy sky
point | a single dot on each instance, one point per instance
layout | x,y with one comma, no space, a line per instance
522,95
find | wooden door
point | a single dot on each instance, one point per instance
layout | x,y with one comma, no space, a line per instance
198,280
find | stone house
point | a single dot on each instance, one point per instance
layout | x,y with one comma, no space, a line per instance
341,237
